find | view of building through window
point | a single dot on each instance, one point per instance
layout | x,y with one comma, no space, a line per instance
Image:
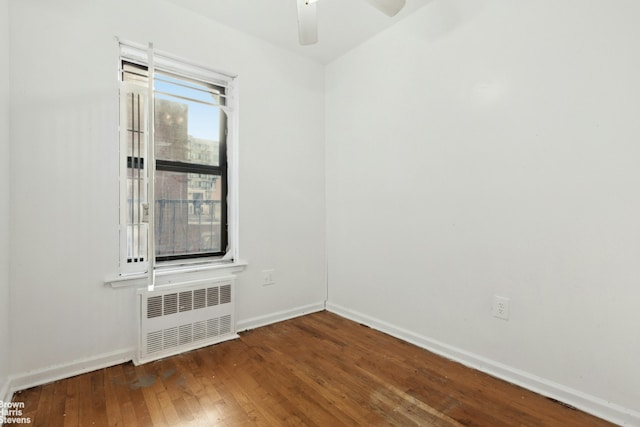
188,205
189,148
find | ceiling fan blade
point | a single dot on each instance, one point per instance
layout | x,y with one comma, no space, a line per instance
307,22
388,7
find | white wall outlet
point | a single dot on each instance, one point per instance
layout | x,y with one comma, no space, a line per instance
500,307
267,277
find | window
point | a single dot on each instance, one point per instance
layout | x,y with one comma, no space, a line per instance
176,123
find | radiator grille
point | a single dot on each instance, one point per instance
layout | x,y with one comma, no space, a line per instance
184,334
212,296
199,298
186,301
225,294
170,304
184,319
154,306
163,305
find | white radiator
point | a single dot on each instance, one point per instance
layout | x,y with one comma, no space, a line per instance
179,318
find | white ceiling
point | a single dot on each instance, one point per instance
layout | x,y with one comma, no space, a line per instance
342,24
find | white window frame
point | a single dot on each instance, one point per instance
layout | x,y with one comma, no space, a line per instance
167,270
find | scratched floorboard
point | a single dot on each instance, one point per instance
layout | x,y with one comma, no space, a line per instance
319,369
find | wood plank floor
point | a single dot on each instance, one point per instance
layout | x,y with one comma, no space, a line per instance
319,370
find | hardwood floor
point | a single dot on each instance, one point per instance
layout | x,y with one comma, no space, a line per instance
318,370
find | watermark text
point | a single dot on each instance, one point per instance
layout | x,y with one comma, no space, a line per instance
12,413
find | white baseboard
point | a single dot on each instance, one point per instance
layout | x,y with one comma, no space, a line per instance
57,372
49,374
585,402
279,316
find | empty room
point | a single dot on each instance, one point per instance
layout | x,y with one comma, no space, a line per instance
331,212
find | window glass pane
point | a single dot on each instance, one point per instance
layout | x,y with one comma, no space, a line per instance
136,242
134,110
190,148
187,213
136,187
195,90
189,124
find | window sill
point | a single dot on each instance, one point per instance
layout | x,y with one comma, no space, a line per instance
179,274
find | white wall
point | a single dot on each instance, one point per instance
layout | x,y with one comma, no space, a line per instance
491,147
65,162
4,195
477,148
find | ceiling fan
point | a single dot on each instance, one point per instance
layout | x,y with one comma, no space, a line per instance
308,20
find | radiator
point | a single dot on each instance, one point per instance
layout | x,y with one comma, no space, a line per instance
183,317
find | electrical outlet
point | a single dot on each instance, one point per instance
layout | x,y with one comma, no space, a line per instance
500,307
267,277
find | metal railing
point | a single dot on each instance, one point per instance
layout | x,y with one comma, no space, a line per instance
187,226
